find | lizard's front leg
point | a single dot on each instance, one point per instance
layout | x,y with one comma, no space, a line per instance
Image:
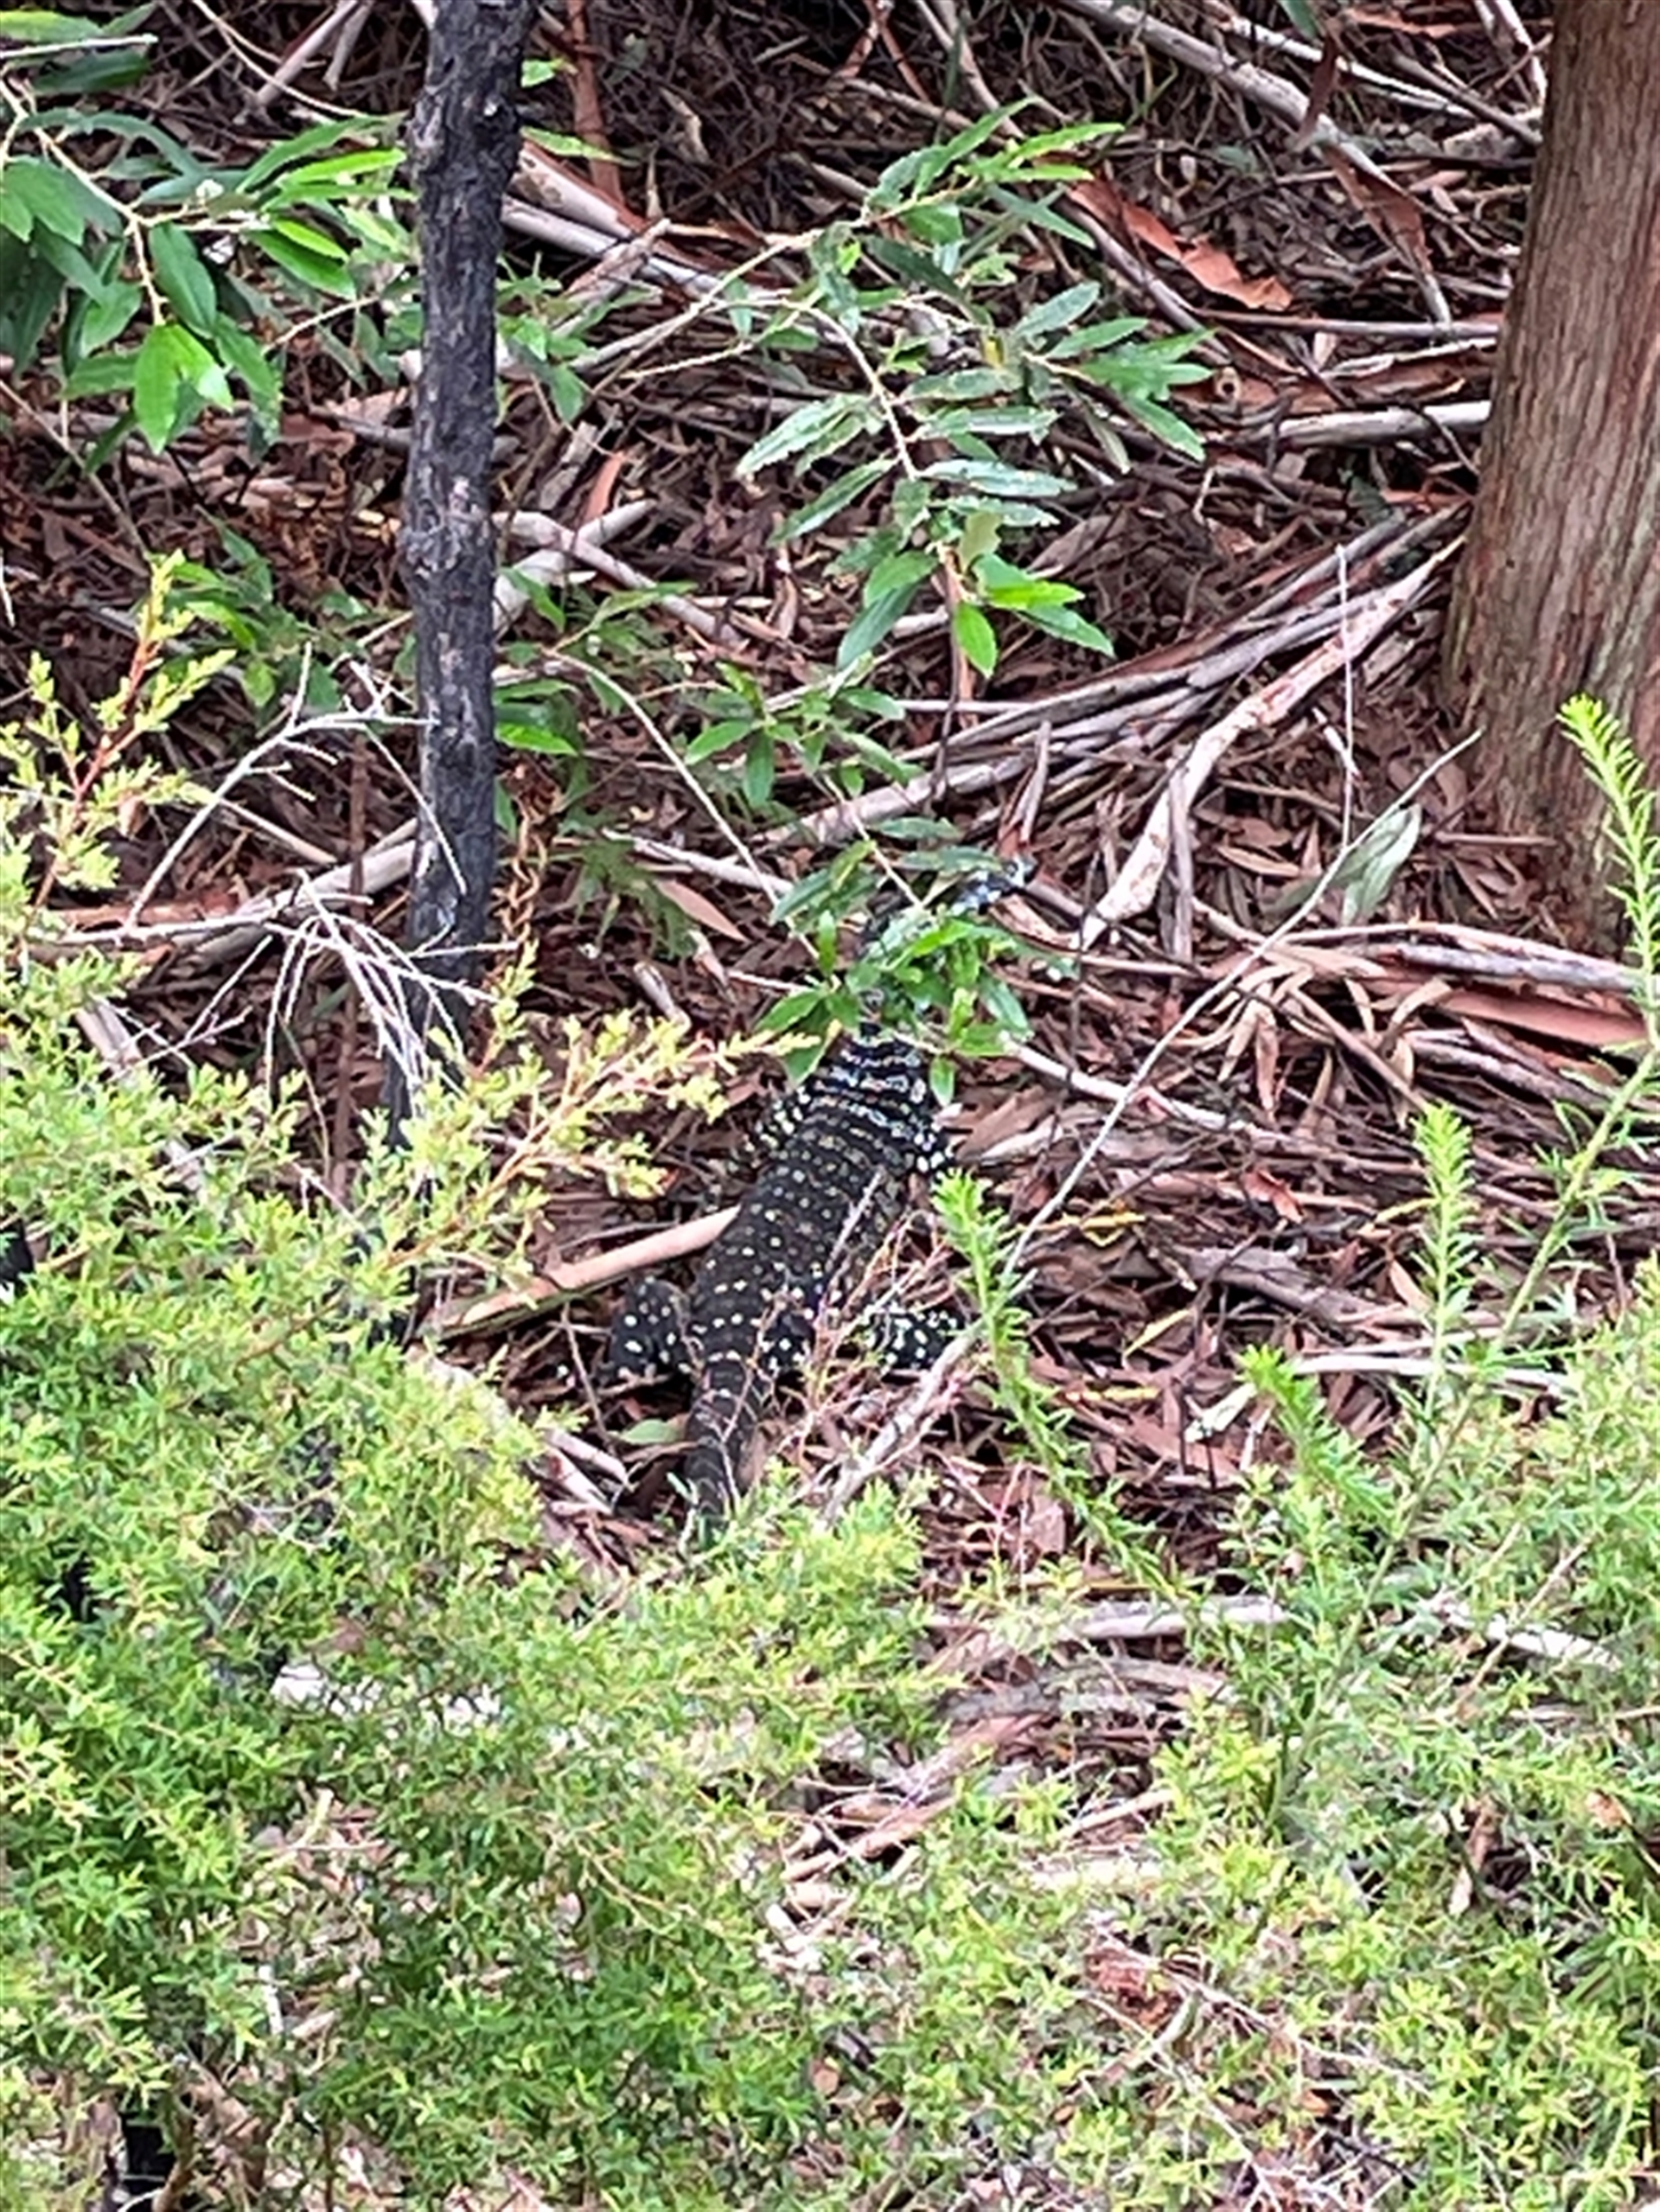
647,1338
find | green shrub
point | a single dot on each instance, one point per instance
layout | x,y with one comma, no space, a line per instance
1407,1879
340,1820
511,1875
1412,1848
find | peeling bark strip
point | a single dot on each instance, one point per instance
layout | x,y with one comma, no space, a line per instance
464,141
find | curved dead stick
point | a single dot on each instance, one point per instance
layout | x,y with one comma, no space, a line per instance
478,1316
1143,871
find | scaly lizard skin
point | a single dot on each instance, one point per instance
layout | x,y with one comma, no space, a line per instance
855,1136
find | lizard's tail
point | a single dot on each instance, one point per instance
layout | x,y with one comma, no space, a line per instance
722,1427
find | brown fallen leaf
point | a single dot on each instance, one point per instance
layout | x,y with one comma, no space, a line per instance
1321,86
695,907
1389,209
1206,264
1564,1021
1267,1189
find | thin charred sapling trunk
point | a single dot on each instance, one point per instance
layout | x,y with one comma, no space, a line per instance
1559,589
464,140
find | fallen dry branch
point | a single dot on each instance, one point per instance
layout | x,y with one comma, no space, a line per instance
505,1308
1368,618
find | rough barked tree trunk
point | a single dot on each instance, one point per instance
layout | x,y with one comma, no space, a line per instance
1559,589
464,140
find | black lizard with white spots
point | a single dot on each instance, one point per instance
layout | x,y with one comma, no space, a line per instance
852,1140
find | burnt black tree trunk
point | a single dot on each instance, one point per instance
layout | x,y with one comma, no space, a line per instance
464,140
1559,589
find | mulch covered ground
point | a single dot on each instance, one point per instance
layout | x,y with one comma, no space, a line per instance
1208,1136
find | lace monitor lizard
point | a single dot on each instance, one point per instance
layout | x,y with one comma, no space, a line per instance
850,1143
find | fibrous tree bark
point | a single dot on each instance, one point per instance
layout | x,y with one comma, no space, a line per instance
464,140
1559,589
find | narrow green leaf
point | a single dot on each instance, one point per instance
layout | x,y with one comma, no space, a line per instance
71,264
716,738
1051,219
1180,436
159,385
310,239
962,383
52,197
883,704
1035,591
80,71
104,318
16,212
988,422
1020,514
1064,621
1154,368
30,289
789,1013
916,171
923,271
534,737
1064,138
913,502
870,754
899,571
173,374
977,540
1097,338
211,381
820,427
313,271
99,373
568,147
975,634
873,623
321,182
760,767
897,179
648,1433
1005,585
45,27
831,501
935,225
379,234
570,392
998,478
1055,313
184,277
259,372
993,573
277,160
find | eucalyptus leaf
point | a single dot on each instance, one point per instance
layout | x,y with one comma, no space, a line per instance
990,422
1056,312
1366,874
873,623
35,192
824,506
975,634
1065,622
820,427
30,289
184,277
998,478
